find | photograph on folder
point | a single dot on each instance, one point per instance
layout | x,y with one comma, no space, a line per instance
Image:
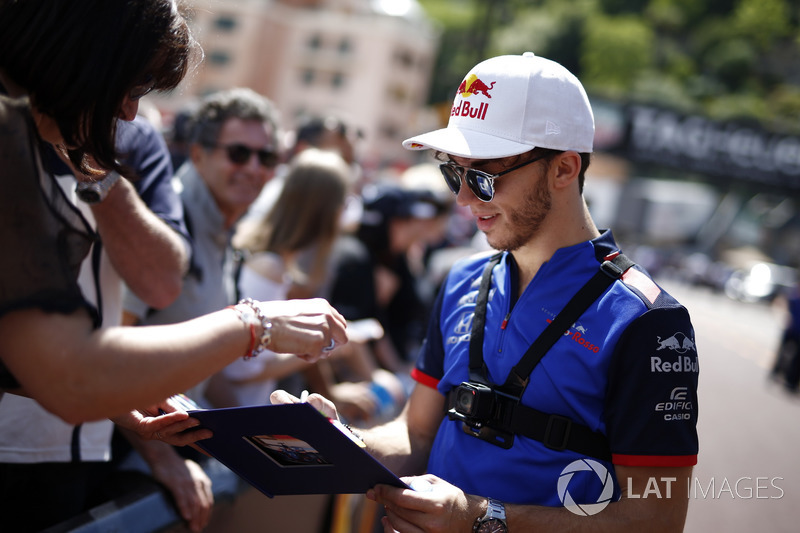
291,449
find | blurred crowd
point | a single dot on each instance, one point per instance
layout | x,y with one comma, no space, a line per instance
221,256
268,214
218,253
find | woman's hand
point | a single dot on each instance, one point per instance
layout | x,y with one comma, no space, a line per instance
166,422
308,328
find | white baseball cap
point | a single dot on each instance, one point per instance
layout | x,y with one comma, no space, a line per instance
509,105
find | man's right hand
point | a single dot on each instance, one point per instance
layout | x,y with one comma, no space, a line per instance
321,403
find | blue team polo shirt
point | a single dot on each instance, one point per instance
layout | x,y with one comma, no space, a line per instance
626,368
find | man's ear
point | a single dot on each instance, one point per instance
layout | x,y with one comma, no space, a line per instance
565,168
196,152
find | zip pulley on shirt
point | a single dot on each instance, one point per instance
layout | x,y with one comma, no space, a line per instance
507,415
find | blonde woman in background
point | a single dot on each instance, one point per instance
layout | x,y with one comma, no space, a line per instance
286,253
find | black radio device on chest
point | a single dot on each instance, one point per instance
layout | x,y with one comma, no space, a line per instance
493,412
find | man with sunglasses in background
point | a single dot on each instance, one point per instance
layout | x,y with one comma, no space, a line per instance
585,425
233,153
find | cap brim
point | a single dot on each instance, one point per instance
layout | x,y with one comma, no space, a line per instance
466,143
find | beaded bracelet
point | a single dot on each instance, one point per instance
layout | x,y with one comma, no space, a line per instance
358,439
251,314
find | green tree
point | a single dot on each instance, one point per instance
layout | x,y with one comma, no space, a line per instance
674,16
732,62
724,58
456,45
554,30
785,107
762,21
729,106
616,7
616,50
657,87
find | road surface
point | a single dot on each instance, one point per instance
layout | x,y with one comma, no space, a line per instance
748,475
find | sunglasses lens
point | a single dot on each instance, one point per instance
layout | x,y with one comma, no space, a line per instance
480,184
451,177
238,153
267,158
143,89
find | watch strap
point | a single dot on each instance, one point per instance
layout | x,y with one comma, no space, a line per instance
93,192
495,510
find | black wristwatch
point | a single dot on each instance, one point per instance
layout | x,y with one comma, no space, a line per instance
494,521
93,192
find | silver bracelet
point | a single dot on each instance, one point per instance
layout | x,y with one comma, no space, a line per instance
252,315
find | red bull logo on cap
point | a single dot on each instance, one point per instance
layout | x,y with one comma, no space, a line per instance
472,85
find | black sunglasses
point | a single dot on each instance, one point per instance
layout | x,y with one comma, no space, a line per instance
239,154
143,89
479,182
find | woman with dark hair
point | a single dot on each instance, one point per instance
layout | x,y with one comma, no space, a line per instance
86,64
68,72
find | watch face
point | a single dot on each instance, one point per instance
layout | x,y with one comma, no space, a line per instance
493,525
89,196
96,191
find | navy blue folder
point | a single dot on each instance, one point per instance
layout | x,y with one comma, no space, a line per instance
290,449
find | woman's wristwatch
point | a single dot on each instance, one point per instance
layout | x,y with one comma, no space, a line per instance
94,192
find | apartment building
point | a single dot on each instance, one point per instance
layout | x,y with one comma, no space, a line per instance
369,61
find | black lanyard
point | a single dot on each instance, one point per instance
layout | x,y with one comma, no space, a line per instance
610,270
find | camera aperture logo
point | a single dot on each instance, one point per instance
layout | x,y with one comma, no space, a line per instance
585,465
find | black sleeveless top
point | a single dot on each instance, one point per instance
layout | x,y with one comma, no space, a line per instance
43,237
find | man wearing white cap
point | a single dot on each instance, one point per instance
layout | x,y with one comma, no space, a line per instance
557,387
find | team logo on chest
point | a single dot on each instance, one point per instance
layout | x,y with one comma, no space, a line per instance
577,334
462,328
464,324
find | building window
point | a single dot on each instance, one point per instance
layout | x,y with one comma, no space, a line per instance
388,131
218,57
209,90
345,46
398,93
307,76
315,42
337,80
225,23
404,58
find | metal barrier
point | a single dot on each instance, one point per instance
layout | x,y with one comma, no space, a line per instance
147,507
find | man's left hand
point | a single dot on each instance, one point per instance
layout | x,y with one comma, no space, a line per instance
442,508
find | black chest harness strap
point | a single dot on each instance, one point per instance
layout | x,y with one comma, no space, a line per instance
554,431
